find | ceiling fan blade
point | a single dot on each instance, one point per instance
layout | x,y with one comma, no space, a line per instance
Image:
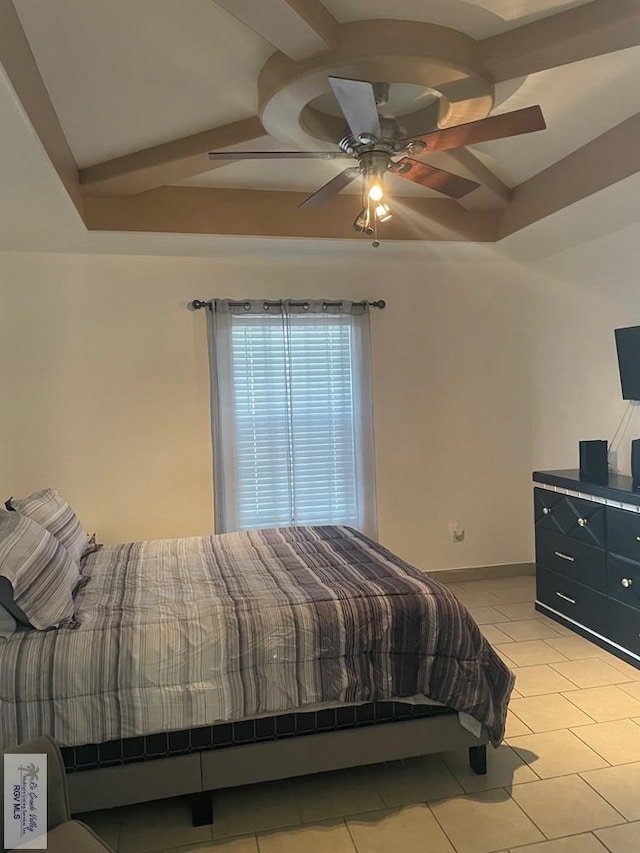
436,179
357,102
331,187
483,130
277,155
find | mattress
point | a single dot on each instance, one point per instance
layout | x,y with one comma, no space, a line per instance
181,633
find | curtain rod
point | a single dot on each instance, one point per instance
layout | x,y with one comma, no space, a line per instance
196,304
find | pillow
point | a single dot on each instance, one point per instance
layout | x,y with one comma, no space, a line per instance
8,624
38,571
55,515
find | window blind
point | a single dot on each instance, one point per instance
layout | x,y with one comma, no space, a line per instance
294,420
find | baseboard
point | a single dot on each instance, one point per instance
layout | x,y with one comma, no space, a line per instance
481,573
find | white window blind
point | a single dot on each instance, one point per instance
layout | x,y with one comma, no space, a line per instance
294,424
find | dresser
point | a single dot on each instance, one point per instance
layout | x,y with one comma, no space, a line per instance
588,558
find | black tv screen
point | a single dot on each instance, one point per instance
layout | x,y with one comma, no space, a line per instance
628,346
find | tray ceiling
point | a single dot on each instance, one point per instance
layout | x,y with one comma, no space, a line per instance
477,18
131,85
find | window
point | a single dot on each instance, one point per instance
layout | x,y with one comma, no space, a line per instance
292,415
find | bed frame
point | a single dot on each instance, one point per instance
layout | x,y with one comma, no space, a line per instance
200,761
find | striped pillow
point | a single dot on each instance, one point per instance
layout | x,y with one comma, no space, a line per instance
39,571
55,515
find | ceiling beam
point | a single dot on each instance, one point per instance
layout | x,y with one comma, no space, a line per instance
22,72
492,194
173,161
606,160
301,29
203,210
599,27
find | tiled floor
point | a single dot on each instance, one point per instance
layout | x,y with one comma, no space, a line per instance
567,779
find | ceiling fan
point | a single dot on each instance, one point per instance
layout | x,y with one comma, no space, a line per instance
381,145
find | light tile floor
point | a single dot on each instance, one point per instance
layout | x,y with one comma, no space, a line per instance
566,780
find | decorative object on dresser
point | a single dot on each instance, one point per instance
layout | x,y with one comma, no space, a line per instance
588,558
593,461
635,462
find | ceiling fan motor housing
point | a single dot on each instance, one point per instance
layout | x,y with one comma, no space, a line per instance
392,140
374,163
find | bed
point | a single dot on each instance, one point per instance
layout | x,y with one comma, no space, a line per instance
208,662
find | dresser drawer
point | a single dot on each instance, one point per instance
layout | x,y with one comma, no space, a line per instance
584,521
624,626
564,595
623,580
570,558
624,532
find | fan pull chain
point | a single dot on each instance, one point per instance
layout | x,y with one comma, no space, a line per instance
376,242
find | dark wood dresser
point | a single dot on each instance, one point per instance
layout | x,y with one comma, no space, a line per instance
588,558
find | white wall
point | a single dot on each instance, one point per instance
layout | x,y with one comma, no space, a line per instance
109,401
578,298
5,403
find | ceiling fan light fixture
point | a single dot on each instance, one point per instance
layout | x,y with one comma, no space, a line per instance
375,191
362,222
383,212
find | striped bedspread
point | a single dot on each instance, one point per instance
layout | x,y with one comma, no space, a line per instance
180,633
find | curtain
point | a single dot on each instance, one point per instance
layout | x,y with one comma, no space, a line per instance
292,423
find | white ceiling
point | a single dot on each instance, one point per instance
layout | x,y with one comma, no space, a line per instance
579,101
127,74
477,18
36,215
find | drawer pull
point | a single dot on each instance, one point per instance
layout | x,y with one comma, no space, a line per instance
566,598
637,538
626,582
546,510
582,522
564,556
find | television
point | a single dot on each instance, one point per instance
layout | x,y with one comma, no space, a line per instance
628,346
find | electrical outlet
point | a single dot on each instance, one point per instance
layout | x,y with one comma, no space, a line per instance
457,532
612,459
